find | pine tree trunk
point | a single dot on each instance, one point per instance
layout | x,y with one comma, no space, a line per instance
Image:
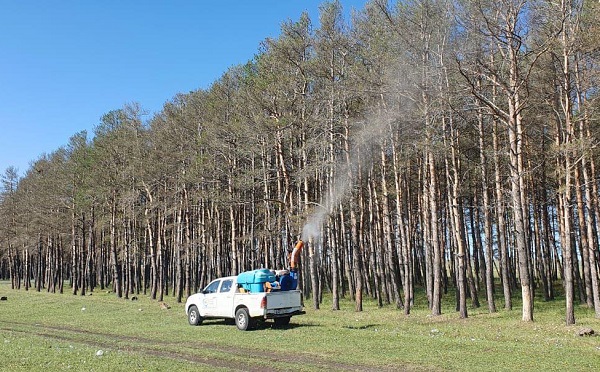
516,180
116,269
335,268
74,256
487,220
436,298
391,257
501,224
590,192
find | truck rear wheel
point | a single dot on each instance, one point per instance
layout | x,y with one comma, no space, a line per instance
282,322
194,317
243,320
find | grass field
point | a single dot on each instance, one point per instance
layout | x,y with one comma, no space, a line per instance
51,332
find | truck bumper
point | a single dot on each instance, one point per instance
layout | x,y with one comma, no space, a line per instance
283,315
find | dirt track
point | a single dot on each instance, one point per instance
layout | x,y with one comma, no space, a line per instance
160,348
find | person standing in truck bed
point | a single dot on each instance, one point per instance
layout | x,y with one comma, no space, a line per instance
285,280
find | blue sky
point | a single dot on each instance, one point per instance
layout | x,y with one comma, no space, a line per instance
63,64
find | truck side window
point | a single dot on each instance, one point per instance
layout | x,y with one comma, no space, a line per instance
226,286
212,287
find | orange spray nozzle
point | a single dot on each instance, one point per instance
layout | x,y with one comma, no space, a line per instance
295,254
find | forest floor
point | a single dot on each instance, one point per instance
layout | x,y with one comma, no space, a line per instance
40,330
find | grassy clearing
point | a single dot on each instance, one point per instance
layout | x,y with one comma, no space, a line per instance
101,332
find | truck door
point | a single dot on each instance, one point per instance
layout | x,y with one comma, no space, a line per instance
225,299
209,302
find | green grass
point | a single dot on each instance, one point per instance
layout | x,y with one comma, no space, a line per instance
60,332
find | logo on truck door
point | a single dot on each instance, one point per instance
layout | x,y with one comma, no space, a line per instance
209,300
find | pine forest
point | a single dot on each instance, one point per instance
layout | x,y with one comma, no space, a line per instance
416,146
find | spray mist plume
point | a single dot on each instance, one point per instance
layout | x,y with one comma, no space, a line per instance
345,174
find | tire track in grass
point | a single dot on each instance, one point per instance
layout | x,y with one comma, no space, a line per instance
158,348
137,348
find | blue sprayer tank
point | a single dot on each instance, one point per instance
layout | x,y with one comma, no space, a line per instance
254,280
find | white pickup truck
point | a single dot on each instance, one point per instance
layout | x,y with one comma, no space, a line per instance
223,298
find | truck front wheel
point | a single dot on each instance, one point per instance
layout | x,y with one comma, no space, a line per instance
194,317
243,320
